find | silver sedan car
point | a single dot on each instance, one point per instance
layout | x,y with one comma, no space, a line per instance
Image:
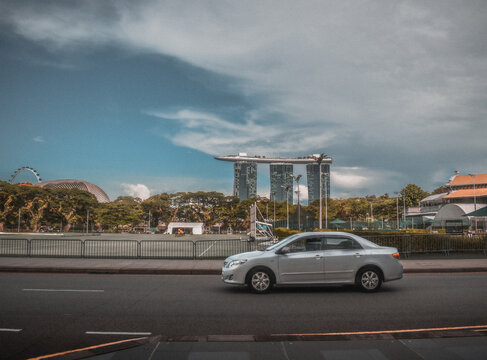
315,258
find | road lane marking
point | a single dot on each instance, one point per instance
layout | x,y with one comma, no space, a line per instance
10,330
63,290
472,327
84,349
118,333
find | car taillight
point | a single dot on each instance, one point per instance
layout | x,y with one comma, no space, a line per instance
396,255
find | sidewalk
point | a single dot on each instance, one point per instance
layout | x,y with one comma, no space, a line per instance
195,267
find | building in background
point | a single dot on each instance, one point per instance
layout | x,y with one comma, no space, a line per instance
245,174
453,209
98,192
245,179
100,195
313,174
280,181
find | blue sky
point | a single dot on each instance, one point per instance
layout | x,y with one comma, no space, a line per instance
138,97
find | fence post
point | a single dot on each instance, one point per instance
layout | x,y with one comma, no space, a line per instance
138,249
194,250
29,247
404,246
82,248
444,242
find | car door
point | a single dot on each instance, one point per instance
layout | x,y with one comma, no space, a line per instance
343,256
303,264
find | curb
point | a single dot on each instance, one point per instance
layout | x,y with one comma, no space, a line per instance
115,271
111,271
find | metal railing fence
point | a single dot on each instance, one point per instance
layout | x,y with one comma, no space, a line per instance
216,249
432,243
128,249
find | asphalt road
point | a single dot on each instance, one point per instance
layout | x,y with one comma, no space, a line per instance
43,314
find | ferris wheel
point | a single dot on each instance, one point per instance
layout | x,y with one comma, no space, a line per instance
25,168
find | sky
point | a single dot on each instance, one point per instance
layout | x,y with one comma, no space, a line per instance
138,97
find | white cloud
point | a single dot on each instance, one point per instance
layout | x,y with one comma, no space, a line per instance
211,134
348,180
136,190
39,139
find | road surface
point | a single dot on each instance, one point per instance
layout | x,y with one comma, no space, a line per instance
43,314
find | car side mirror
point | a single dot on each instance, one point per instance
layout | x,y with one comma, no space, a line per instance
284,250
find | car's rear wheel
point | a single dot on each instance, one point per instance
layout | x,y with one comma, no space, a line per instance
260,280
369,279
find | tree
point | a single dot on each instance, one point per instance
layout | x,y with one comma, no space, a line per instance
413,194
9,204
72,205
440,190
159,207
125,210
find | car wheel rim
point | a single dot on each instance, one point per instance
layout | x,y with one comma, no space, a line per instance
370,280
260,281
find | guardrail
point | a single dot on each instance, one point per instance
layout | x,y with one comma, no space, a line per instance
216,249
128,249
446,244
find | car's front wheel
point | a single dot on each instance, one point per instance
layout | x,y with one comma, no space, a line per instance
369,280
260,280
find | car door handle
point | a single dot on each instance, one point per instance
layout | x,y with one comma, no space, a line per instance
317,257
358,255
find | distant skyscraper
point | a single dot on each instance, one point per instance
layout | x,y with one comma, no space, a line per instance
245,180
245,174
313,173
280,176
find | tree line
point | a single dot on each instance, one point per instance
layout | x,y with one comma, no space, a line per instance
33,208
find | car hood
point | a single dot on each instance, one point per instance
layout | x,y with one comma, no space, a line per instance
246,255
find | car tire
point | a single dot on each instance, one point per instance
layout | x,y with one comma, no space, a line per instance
369,279
260,280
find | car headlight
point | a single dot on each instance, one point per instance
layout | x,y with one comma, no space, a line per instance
235,263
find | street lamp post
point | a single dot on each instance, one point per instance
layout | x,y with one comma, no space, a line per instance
397,210
326,200
319,160
474,200
404,210
274,222
297,178
286,188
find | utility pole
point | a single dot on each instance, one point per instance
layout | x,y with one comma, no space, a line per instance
287,203
319,160
326,200
274,223
397,210
474,200
404,209
297,178
18,224
87,220
149,220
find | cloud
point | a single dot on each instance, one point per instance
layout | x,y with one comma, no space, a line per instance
334,77
214,135
136,190
39,139
348,180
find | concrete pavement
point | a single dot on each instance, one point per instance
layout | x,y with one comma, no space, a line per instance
196,267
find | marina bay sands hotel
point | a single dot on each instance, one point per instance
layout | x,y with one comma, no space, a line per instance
281,175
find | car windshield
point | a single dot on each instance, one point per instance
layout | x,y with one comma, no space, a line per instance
275,246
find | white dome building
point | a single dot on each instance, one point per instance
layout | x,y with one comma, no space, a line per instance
100,195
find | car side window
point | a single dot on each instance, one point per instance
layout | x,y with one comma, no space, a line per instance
341,243
307,244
